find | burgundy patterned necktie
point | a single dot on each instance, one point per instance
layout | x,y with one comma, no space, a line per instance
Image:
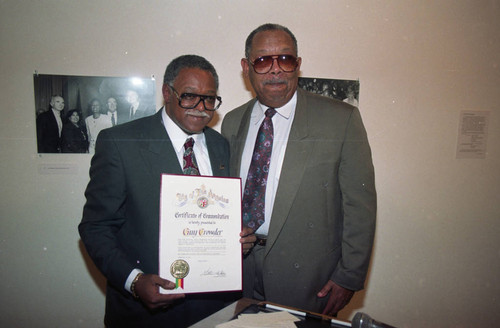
189,167
255,188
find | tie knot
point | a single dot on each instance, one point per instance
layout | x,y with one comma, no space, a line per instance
189,143
270,112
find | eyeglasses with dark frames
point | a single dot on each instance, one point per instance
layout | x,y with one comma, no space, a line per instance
192,100
264,64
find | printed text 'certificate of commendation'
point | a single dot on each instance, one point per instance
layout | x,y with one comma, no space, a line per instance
200,223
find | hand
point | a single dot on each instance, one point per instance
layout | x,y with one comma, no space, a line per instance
147,288
248,239
339,297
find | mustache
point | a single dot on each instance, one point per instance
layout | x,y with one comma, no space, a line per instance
197,113
276,81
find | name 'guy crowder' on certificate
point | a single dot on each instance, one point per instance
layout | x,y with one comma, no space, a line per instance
200,223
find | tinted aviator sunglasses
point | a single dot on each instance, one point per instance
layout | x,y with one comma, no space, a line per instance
264,64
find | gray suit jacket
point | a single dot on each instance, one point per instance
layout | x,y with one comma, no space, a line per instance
323,221
120,225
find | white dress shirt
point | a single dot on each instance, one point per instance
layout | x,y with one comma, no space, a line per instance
111,115
179,137
57,115
282,123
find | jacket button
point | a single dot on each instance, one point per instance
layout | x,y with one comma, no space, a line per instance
296,265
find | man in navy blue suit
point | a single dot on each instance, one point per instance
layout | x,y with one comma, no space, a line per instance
121,216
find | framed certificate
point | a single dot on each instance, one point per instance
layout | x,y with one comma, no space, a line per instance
200,223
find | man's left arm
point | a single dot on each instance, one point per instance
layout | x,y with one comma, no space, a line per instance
357,184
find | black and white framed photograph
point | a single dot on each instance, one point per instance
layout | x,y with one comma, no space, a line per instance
72,110
345,90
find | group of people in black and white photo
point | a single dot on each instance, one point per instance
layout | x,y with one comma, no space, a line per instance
68,131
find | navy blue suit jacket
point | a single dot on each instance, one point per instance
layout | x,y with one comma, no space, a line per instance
120,225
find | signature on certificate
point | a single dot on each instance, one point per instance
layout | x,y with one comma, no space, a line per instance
216,273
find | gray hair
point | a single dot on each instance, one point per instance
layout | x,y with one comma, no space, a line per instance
268,27
188,61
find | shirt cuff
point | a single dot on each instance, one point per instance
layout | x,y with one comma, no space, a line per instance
131,278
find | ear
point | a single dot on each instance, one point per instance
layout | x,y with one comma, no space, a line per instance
299,61
167,92
245,66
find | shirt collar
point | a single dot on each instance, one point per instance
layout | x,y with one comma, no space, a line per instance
284,111
177,136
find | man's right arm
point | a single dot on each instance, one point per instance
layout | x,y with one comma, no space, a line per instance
104,212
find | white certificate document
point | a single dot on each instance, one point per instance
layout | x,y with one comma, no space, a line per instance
200,223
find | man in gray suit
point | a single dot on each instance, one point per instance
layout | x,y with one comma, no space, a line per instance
315,222
121,216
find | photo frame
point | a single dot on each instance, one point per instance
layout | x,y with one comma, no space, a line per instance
345,90
99,102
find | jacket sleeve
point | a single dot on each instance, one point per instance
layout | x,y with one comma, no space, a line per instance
357,184
104,212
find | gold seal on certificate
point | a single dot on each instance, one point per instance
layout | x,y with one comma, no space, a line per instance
200,225
202,202
179,269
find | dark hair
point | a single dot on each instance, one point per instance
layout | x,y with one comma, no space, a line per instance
70,112
268,27
188,61
93,100
90,105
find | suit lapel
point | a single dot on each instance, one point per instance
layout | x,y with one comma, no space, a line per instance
216,154
238,141
158,151
292,171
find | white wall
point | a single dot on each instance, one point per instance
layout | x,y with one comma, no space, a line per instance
437,253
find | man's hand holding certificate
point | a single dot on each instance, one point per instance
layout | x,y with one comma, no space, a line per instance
200,224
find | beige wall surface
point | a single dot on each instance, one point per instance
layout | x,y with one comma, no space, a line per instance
436,260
